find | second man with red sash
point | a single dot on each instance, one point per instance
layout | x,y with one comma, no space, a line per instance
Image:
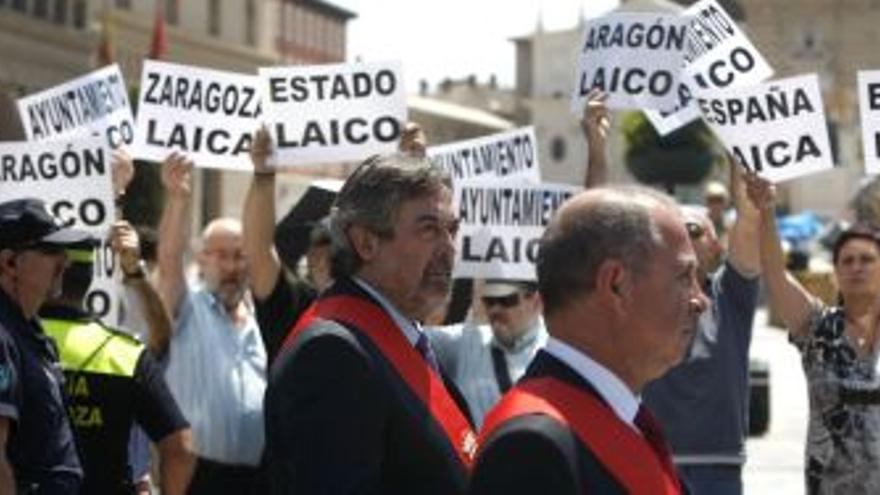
356,402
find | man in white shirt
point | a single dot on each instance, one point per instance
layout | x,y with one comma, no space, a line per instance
486,360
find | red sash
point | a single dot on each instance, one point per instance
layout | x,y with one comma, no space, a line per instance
624,453
371,321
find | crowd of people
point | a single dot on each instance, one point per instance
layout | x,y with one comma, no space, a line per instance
621,368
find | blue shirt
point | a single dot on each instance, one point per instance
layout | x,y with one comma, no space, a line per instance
217,374
465,352
41,448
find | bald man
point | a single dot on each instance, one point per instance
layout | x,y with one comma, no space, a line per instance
618,278
216,359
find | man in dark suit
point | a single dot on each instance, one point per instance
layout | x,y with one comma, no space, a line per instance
617,275
355,402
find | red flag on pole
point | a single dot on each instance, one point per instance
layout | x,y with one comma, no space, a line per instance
159,43
104,53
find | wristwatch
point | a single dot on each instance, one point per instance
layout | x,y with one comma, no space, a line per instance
139,273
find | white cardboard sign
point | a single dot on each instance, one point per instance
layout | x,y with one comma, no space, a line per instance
74,178
635,58
506,155
869,107
96,103
777,128
207,114
501,225
718,55
332,113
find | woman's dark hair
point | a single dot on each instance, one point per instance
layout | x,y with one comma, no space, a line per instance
858,231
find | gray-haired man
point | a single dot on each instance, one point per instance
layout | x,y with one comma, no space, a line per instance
356,403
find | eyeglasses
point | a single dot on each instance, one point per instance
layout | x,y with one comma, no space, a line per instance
694,230
503,301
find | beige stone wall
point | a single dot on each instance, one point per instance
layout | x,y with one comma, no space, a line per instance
834,38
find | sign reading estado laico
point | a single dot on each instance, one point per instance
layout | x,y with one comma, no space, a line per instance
777,129
512,154
74,178
332,113
635,58
718,55
501,224
869,106
209,115
96,103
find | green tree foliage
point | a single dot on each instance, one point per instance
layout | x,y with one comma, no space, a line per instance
685,156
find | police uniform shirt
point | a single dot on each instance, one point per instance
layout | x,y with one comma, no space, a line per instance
40,445
111,381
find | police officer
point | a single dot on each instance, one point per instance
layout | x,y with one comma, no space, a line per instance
112,380
37,451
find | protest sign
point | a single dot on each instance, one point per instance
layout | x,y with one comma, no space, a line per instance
74,178
717,55
869,107
333,113
512,154
209,115
501,225
635,58
777,129
96,103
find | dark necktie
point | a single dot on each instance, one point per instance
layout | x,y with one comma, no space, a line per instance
423,345
499,363
646,422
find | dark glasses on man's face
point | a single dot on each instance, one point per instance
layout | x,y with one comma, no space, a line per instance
694,230
503,301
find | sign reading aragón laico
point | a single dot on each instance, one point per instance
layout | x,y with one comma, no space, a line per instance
74,178
635,58
510,154
207,114
96,103
777,129
332,113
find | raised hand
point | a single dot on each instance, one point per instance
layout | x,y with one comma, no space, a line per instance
177,175
596,119
413,140
260,151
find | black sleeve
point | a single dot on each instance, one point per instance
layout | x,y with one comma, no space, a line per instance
278,312
325,417
10,378
155,409
524,461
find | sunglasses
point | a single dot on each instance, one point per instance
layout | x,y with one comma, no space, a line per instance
694,230
503,301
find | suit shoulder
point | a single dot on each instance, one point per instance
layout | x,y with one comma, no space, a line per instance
546,454
323,344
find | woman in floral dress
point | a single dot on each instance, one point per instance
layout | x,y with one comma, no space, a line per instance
839,351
